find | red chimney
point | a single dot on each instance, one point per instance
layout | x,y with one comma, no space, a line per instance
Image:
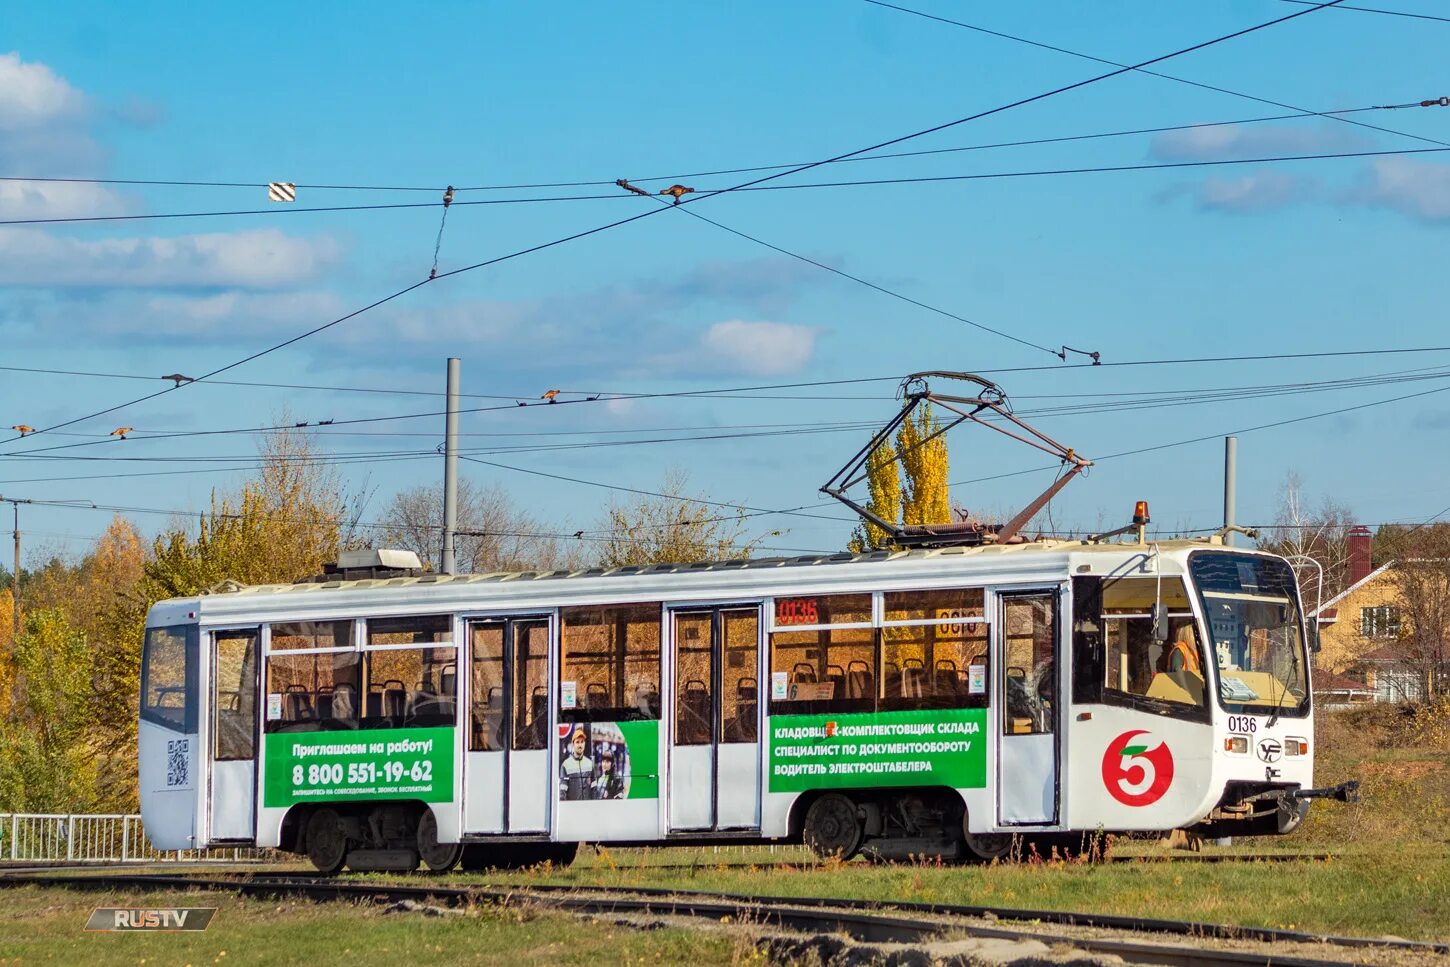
1360,542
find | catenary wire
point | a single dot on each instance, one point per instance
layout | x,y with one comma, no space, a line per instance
1168,77
889,156
979,176
1388,13
712,194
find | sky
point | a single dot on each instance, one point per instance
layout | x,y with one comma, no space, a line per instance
775,369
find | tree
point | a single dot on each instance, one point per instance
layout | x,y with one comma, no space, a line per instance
280,527
1320,533
924,464
911,489
500,537
674,528
1421,578
47,763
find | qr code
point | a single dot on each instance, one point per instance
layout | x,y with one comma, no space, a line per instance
176,758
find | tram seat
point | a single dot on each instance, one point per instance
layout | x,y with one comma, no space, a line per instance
373,707
803,671
539,706
947,681
448,680
742,726
344,704
695,714
324,702
596,695
395,699
860,682
912,679
891,679
297,703
836,678
647,700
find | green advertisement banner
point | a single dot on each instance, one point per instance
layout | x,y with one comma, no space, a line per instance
940,747
609,760
363,764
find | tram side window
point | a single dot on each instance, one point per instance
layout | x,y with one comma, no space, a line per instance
169,678
740,693
823,650
295,635
1117,660
410,686
531,685
313,692
487,687
610,662
236,695
934,649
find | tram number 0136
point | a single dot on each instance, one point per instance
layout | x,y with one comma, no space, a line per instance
796,611
1242,723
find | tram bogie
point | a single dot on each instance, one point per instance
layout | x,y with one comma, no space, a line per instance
962,703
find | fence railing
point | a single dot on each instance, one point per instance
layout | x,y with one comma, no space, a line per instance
104,838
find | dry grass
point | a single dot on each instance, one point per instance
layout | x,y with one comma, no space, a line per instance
44,926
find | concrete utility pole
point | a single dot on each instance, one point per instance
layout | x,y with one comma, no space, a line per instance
450,471
1230,486
15,578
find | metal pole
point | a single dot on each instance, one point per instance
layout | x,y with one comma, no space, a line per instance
450,471
15,582
1230,486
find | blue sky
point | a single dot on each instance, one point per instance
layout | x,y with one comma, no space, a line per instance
1273,258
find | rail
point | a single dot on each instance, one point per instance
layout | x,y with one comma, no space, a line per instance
98,838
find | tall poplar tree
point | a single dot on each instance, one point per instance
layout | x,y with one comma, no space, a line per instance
911,490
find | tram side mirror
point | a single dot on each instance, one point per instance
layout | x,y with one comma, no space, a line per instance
1159,614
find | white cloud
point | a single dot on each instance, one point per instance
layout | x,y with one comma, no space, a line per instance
1415,188
39,199
263,258
31,95
759,348
1235,141
1257,192
138,317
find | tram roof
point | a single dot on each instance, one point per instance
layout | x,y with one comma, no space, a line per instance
983,553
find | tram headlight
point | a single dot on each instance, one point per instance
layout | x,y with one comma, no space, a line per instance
1296,747
1236,743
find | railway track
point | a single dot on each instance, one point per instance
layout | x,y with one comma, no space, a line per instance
1133,939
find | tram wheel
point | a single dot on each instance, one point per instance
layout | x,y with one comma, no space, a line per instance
326,841
833,827
986,847
438,857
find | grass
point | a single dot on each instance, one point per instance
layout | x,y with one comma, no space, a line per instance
44,926
1361,895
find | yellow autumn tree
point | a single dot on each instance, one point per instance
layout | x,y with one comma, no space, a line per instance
909,490
923,449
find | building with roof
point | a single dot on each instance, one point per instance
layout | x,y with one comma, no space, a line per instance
1359,635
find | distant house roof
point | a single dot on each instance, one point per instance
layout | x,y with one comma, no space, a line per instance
1325,681
1391,651
1329,605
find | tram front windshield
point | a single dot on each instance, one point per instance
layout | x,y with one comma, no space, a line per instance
1257,632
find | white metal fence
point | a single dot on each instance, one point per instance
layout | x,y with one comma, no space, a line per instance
107,838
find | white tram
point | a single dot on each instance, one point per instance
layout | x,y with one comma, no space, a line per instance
919,702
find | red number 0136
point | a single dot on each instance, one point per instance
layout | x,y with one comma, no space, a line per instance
796,611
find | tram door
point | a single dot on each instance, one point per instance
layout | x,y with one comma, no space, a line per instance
507,776
1027,754
715,733
232,778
